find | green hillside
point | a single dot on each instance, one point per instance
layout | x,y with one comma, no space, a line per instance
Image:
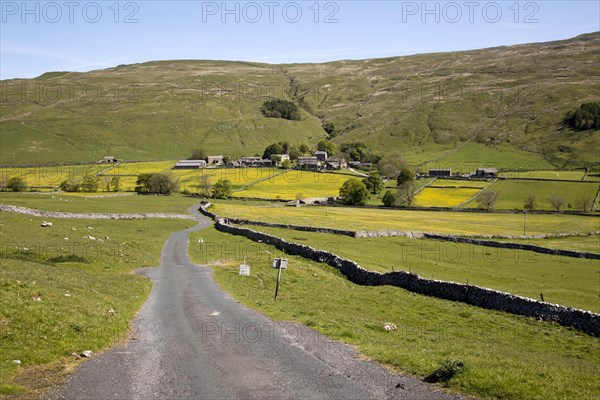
503,105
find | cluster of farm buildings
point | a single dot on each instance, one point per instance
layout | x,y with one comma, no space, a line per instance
319,162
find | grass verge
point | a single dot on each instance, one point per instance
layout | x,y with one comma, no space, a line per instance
51,306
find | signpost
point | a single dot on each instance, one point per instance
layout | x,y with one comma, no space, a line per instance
279,263
245,268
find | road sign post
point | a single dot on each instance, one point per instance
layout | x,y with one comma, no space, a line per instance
279,263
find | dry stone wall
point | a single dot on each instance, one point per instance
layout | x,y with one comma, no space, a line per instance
56,214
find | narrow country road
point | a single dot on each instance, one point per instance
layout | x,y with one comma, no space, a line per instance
192,341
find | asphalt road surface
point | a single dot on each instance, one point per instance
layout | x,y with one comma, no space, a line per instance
192,341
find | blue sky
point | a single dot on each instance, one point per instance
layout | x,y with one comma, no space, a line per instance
71,35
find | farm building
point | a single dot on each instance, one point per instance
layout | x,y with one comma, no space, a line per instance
255,162
214,160
108,160
234,164
250,162
282,157
440,172
486,173
308,163
321,155
190,164
358,164
336,164
305,160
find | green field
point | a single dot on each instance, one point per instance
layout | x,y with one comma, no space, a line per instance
589,244
78,281
76,202
568,281
574,175
468,158
421,221
512,194
507,356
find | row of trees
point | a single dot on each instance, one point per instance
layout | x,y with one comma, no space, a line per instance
294,151
91,183
557,202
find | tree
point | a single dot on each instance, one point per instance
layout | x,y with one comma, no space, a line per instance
304,149
162,184
204,185
354,192
406,193
222,189
90,183
295,153
391,165
374,183
389,199
141,185
67,186
271,149
487,199
198,154
586,116
557,202
287,164
115,183
16,184
329,127
280,109
406,174
584,204
530,202
276,159
327,146
356,151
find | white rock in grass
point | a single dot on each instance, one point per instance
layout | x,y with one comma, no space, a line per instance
91,238
111,313
37,298
67,295
86,353
390,327
16,362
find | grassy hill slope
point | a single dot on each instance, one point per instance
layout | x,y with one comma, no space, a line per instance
446,108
